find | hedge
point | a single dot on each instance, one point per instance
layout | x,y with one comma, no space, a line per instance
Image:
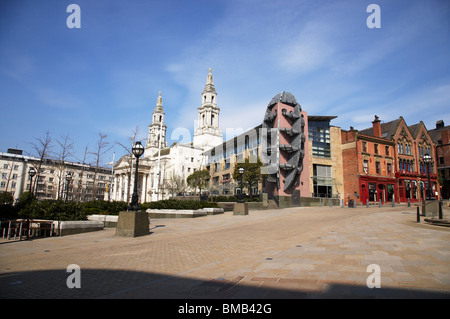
178,204
61,210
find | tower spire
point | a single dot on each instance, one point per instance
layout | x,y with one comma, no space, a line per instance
208,132
209,87
157,129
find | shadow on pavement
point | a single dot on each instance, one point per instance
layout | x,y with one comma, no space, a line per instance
119,284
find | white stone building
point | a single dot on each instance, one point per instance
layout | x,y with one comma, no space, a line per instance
163,170
86,183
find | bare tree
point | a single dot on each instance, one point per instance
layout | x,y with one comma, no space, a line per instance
175,183
66,150
101,149
42,148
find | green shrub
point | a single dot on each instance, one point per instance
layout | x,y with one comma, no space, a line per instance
177,204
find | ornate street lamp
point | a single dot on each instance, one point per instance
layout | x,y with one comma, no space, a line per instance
138,150
31,173
68,179
427,159
241,195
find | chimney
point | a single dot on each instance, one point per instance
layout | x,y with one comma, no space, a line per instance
376,127
440,124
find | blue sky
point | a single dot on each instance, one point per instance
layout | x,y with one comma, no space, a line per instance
106,75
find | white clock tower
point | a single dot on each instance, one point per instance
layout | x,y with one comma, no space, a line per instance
208,133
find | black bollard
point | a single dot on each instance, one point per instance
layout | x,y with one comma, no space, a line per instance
418,214
440,209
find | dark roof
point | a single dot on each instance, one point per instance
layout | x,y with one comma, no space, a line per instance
414,129
320,118
388,129
435,134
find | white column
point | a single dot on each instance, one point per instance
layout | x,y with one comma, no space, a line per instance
120,187
126,188
143,188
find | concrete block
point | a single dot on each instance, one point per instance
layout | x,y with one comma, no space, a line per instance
132,224
240,209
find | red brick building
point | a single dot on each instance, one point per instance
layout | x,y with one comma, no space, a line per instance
398,159
441,136
368,165
386,162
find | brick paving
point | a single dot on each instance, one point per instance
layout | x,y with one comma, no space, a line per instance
318,252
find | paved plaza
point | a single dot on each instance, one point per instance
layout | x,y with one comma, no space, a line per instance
317,252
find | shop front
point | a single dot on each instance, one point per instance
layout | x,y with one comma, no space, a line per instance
374,189
413,189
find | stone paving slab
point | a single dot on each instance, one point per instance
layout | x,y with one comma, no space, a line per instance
308,252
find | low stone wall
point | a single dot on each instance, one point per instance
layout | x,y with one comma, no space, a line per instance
108,220
75,227
183,213
317,201
226,206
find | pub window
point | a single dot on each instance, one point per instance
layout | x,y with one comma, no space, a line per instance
387,150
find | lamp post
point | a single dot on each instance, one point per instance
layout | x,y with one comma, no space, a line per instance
138,150
31,173
68,179
427,159
241,174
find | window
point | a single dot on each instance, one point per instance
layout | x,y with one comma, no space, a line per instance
377,168
319,134
387,150
366,166
4,176
364,146
375,148
5,166
389,168
322,181
16,167
2,184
